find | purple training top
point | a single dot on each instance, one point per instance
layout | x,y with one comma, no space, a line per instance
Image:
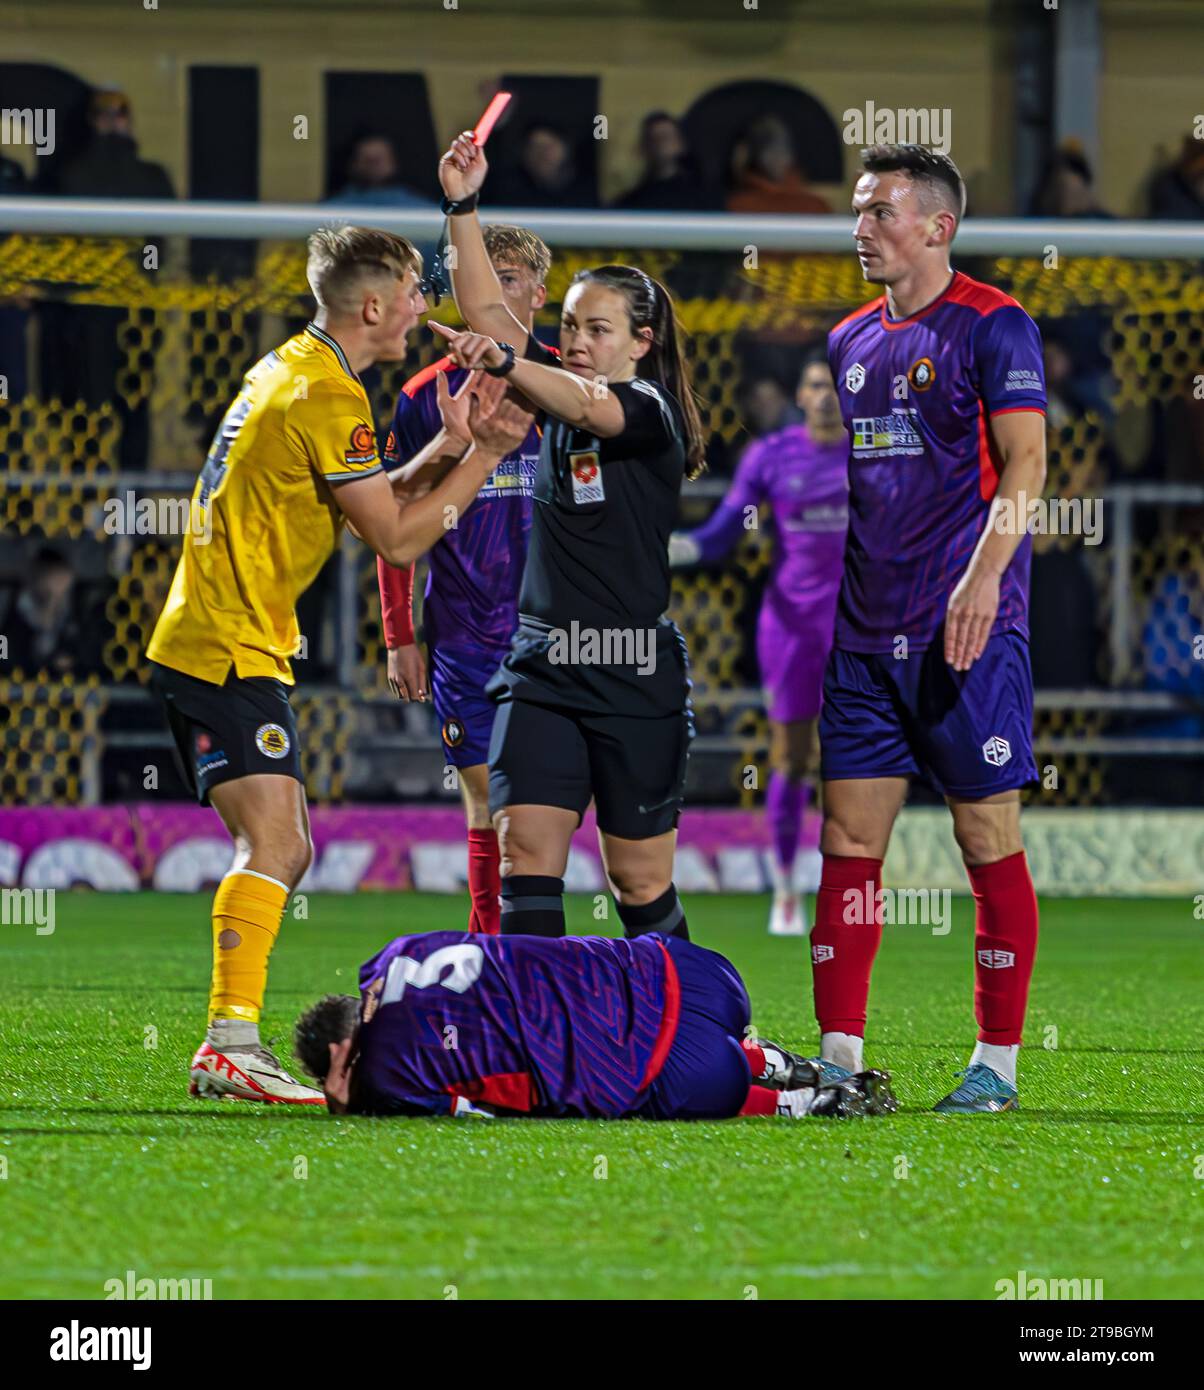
471,600
576,1026
915,394
806,487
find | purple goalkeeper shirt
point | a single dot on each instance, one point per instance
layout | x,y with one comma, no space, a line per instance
806,487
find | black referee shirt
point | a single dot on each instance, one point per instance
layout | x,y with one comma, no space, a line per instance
596,583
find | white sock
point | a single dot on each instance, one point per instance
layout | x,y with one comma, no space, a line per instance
1001,1060
782,878
795,1105
845,1049
232,1032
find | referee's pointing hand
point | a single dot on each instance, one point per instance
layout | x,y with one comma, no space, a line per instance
471,350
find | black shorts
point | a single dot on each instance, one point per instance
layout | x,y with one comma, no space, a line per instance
226,731
634,768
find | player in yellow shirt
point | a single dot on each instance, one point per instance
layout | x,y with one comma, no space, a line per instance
294,459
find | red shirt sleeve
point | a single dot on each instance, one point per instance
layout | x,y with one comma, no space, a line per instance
396,600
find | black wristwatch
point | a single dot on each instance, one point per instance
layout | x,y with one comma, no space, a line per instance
452,207
507,366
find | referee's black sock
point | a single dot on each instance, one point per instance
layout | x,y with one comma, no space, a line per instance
532,905
665,914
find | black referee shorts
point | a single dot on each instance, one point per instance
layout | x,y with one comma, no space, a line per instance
635,769
226,731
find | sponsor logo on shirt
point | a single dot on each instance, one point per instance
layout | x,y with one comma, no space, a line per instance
587,478
271,740
513,477
879,436
854,378
1022,380
996,750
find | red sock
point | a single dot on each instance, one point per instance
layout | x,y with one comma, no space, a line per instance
755,1058
844,941
484,882
1005,946
761,1101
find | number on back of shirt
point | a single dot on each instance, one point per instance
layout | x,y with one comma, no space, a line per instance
464,959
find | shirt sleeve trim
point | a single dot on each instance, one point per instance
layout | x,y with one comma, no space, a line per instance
355,473
1016,409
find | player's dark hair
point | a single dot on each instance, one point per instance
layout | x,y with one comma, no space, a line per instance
332,1019
649,305
815,356
924,166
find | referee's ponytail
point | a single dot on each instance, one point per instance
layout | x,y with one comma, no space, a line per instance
650,305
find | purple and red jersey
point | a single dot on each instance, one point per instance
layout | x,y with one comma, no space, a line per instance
916,394
471,600
806,487
569,1026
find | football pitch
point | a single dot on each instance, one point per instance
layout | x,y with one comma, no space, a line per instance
110,1167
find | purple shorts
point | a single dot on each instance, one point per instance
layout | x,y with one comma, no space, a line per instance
705,1076
792,650
968,733
458,679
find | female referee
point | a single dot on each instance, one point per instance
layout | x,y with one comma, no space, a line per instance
593,697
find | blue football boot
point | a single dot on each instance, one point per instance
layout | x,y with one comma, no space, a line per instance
982,1092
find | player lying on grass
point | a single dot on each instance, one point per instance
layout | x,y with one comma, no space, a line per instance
451,1023
294,457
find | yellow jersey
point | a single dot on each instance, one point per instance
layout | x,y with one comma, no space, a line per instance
263,519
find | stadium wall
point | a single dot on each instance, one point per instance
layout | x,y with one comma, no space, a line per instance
933,55
183,848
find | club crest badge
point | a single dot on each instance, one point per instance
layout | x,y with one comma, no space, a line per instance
272,741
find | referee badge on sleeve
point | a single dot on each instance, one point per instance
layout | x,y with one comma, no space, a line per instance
587,478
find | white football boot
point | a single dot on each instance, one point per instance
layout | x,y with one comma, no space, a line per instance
788,916
247,1072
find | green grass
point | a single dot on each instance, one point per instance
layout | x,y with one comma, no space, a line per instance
110,1166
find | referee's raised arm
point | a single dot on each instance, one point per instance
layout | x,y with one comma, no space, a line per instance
475,284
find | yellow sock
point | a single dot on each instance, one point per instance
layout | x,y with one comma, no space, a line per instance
247,909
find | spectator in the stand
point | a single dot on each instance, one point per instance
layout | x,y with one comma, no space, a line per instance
1066,187
671,181
546,175
14,310
46,627
109,165
1178,192
81,356
370,176
765,172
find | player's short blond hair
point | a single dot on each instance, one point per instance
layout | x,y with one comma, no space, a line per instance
517,246
341,259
